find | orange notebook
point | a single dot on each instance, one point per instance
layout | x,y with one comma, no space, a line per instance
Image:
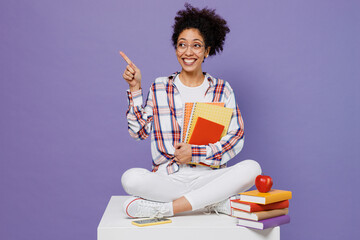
206,132
187,117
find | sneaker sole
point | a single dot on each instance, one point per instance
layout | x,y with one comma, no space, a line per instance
127,206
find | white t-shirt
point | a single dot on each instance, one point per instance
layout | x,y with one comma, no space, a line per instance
192,94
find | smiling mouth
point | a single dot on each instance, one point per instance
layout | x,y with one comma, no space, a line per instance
189,62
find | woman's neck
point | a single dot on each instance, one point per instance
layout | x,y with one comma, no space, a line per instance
191,79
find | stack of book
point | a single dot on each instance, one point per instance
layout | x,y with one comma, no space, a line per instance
262,210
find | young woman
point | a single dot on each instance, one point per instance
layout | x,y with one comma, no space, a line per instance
175,185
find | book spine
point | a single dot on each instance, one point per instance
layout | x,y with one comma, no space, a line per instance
275,221
270,213
253,207
278,197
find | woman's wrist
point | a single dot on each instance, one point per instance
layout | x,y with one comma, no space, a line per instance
135,88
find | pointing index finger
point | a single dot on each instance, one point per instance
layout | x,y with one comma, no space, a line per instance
125,58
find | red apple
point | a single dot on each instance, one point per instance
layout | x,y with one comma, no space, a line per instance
263,183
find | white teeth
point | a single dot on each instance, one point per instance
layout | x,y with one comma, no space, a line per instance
189,60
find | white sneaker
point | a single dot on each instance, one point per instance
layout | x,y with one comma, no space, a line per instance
136,207
220,207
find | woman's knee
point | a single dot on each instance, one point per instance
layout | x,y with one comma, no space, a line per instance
133,179
253,167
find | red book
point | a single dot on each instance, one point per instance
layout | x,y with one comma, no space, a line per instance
254,207
206,132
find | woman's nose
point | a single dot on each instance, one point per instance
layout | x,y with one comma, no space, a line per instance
188,51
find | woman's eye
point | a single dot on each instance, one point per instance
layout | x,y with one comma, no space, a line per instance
182,45
196,45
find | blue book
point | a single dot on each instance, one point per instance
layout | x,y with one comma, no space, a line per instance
264,224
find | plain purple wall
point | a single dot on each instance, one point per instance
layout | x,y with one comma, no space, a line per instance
294,66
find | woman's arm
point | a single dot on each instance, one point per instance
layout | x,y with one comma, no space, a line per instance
139,118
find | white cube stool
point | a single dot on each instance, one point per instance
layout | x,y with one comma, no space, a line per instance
114,225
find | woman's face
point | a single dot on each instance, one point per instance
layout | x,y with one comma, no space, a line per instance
190,50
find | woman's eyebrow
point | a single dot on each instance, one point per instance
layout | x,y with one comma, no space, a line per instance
196,39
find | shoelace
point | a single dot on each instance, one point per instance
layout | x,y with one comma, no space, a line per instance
160,212
209,209
157,210
220,207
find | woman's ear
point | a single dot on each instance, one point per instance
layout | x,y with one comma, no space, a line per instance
206,54
207,51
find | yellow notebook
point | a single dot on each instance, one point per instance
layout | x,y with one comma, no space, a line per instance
217,114
274,195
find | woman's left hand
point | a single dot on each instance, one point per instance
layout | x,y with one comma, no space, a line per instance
183,153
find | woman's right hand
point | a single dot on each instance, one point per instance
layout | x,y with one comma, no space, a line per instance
132,74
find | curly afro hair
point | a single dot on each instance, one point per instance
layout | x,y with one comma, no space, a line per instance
211,26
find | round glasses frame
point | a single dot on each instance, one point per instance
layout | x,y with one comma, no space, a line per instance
195,47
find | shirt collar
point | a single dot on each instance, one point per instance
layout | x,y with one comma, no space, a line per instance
208,77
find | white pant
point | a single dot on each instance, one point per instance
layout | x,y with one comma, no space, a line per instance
201,186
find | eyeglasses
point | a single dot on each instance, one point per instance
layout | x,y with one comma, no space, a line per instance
181,47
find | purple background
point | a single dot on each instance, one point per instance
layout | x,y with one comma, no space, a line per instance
294,66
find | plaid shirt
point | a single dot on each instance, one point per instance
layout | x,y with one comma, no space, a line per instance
162,116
